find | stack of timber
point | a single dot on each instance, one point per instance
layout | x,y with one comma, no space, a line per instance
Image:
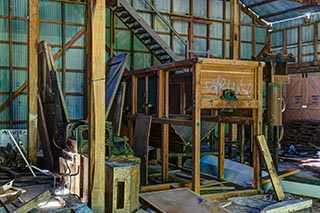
302,132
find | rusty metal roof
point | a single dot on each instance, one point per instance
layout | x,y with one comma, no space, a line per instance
278,10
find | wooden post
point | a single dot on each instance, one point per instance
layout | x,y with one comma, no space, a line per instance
33,7
196,130
234,28
165,152
221,154
96,67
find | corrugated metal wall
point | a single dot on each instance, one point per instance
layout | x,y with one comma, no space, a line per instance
13,63
296,37
216,21
59,23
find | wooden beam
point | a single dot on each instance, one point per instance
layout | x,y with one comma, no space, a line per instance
270,166
234,29
34,202
225,195
221,154
96,12
14,95
165,152
69,44
34,32
196,129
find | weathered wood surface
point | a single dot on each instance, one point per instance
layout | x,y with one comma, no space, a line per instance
270,166
180,201
34,202
288,206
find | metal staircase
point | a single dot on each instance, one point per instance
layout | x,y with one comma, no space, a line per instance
129,16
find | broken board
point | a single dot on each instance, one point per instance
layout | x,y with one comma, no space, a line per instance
270,166
181,200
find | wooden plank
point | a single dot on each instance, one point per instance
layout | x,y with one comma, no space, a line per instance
270,166
225,195
283,175
96,10
196,129
288,206
44,137
165,152
33,203
34,32
221,154
141,144
170,201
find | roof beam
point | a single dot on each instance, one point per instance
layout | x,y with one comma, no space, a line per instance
286,11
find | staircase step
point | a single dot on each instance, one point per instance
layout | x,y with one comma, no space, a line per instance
124,14
130,20
135,25
145,36
119,9
160,52
150,42
140,31
165,58
155,47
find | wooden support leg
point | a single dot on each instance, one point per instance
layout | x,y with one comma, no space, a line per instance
242,139
221,151
165,152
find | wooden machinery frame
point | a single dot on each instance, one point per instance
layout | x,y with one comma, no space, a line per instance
210,78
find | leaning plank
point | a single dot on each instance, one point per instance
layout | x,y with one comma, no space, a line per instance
141,144
288,206
33,203
283,175
270,166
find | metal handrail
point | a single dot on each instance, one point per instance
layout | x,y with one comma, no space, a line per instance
185,42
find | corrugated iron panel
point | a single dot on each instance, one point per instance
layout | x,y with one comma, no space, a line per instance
4,80
119,23
50,10
19,55
75,106
4,29
292,36
51,33
141,4
261,34
227,49
20,107
216,47
123,40
307,33
200,8
166,38
138,45
4,114
20,126
71,31
75,59
308,58
216,9
315,17
246,33
19,78
200,44
245,19
276,39
227,10
162,5
160,26
245,50
108,17
19,31
200,29
4,59
216,30
75,13
227,31
308,49
147,17
75,82
259,47
4,8
289,23
293,50
181,27
181,7
20,8
142,60
179,47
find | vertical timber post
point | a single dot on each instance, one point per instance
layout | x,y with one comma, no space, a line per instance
96,12
33,28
